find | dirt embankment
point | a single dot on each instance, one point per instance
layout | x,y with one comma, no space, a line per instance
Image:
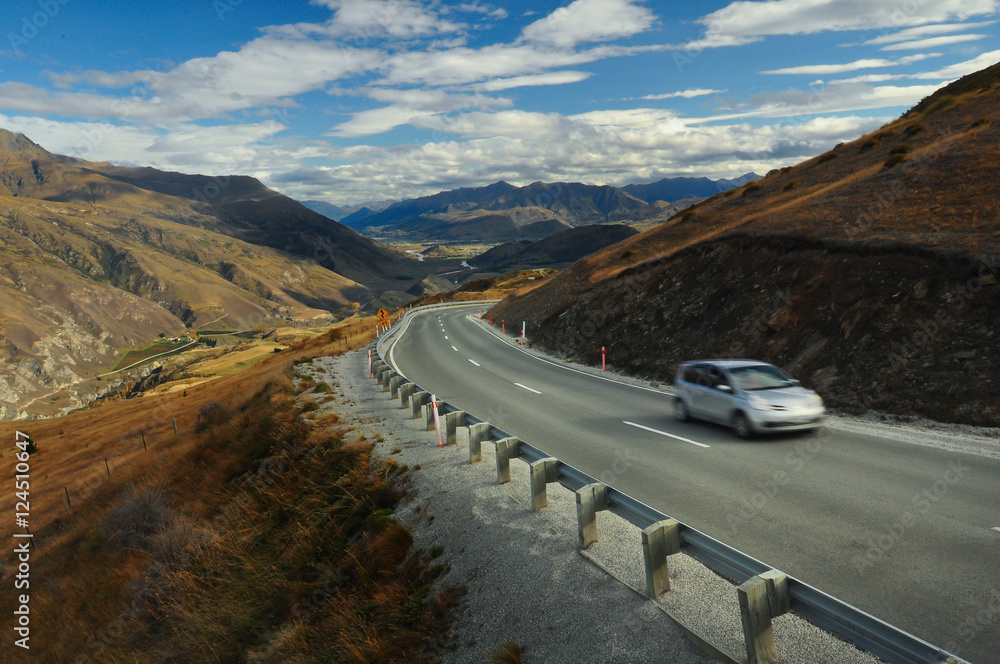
887,328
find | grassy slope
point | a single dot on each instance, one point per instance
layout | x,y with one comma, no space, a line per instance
266,534
834,267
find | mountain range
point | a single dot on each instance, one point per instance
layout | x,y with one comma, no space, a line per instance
502,212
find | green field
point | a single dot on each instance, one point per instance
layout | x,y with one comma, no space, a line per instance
157,348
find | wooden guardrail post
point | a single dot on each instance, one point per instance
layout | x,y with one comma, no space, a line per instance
429,412
405,392
417,402
451,423
543,471
394,384
477,434
506,448
590,500
762,598
659,541
387,375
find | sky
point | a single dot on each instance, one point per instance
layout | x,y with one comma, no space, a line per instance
350,101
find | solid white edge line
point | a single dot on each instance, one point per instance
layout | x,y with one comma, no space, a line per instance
664,433
474,362
528,388
562,366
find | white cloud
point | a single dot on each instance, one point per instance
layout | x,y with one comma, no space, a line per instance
744,22
590,21
408,106
488,10
685,94
925,31
932,42
590,147
960,69
362,20
852,66
549,78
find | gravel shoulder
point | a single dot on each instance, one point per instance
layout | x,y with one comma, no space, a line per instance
526,580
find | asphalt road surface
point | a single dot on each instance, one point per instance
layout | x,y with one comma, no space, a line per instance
906,532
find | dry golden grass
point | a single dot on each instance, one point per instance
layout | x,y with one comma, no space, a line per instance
253,535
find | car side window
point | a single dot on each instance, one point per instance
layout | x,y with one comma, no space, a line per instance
691,374
717,378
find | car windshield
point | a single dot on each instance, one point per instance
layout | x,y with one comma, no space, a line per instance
760,377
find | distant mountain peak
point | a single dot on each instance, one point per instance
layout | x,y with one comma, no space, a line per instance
21,146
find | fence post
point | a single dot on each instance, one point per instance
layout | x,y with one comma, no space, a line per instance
543,471
68,506
659,541
590,500
477,434
762,598
174,419
451,424
107,467
417,402
506,448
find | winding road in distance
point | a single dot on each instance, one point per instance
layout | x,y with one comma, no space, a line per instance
907,532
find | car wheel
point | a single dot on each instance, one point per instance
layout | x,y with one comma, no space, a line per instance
741,426
681,411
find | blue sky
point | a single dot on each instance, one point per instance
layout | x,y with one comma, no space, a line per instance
357,100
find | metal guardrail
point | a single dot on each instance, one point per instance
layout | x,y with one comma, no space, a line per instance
867,632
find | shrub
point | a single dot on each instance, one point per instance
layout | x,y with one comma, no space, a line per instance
894,160
790,186
510,653
322,388
211,414
902,148
752,189
137,518
868,145
829,156
914,129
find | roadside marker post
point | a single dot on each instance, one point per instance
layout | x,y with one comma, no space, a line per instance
604,361
437,420
523,328
504,323
369,364
491,321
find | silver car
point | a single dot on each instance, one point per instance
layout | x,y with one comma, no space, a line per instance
750,396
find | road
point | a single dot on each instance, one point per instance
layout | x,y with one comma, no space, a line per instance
906,532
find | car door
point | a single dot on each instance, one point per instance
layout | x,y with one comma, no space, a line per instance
698,386
717,400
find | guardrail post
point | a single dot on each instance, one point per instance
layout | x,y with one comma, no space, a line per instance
388,375
543,471
451,423
506,448
405,391
417,402
394,384
762,598
659,541
429,412
477,434
590,500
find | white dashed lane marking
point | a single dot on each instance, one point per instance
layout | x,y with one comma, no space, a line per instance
474,362
525,387
664,433
454,349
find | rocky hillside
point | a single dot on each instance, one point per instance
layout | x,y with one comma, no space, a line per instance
91,265
869,271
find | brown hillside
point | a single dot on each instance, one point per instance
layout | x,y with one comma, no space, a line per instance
870,270
90,266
